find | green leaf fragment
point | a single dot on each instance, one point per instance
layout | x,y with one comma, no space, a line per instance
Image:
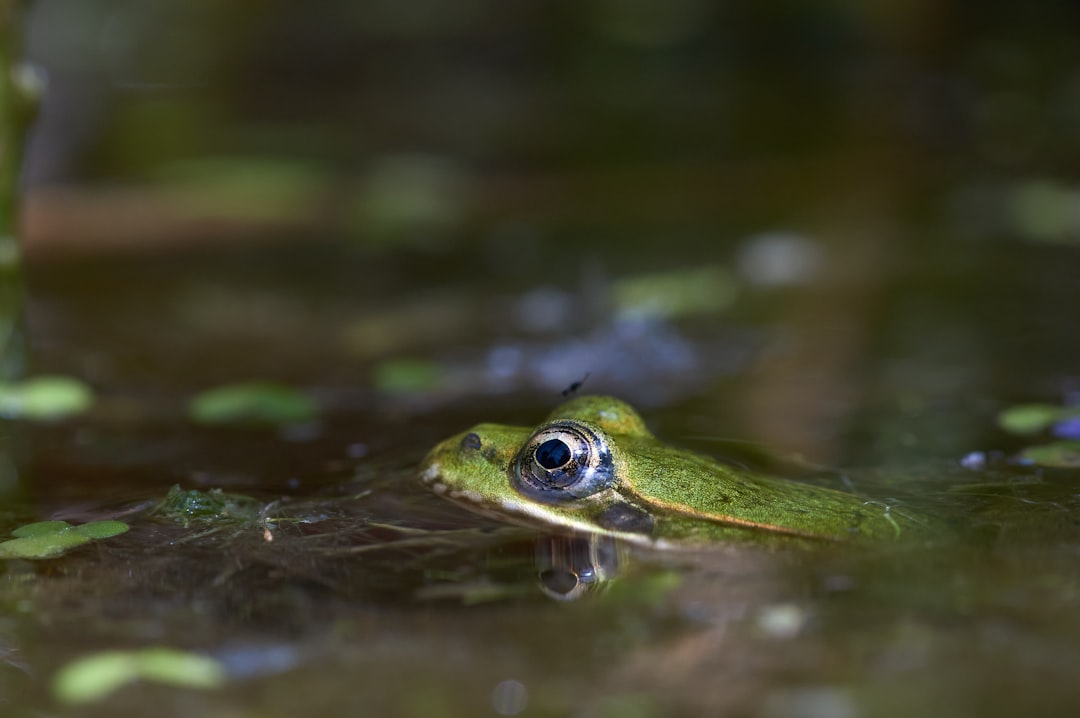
39,528
101,529
1059,454
1029,418
93,677
402,376
47,539
43,545
678,293
44,398
255,402
180,668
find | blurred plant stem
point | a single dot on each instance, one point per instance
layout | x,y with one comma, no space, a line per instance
17,102
16,110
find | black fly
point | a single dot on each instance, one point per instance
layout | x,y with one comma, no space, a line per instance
575,386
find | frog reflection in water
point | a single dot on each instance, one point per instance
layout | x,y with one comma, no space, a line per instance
593,467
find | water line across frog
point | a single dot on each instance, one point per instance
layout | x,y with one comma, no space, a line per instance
593,467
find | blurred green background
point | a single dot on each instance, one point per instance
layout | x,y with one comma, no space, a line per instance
431,125
870,205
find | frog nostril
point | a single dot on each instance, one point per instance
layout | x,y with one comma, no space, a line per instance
552,454
470,441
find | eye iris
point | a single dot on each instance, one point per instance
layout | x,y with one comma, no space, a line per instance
563,461
552,454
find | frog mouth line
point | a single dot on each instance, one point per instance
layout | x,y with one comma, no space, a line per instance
537,515
431,476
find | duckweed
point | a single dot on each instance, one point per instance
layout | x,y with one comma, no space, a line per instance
252,403
48,539
44,398
95,676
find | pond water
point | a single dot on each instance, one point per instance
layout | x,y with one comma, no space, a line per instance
833,244
335,583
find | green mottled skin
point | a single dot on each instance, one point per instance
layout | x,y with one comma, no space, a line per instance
691,498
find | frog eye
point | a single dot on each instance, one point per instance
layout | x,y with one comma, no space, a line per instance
563,461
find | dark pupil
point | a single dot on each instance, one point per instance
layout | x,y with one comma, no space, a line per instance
552,454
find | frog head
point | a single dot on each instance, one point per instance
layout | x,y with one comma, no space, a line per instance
593,467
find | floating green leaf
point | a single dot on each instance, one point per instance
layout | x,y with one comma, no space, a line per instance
253,402
406,375
47,539
39,528
42,545
180,668
44,398
95,676
1060,454
678,293
101,529
1029,418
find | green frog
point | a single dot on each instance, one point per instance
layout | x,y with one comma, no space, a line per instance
592,467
